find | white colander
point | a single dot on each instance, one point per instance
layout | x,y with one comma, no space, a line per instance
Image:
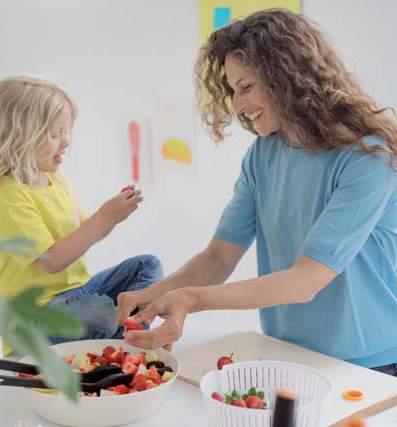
310,386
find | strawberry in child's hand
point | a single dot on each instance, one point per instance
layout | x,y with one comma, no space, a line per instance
131,325
224,360
127,188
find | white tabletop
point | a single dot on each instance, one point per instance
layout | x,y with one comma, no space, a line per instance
184,405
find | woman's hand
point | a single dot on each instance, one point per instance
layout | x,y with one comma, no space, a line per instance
173,307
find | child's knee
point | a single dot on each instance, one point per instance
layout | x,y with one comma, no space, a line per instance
96,312
152,263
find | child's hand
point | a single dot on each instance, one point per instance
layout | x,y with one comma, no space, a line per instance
121,206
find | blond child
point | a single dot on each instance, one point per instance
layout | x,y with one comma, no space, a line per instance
36,120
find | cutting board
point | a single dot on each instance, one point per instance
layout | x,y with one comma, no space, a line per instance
380,390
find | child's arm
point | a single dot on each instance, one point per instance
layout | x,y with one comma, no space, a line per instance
70,248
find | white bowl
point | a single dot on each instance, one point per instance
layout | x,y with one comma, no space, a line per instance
103,411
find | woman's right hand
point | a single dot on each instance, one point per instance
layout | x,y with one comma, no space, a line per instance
120,207
173,307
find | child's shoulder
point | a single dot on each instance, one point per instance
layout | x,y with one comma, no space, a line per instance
13,192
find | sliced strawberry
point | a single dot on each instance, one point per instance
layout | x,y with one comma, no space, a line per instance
92,357
121,389
132,325
153,374
142,358
139,382
107,351
129,368
117,356
102,360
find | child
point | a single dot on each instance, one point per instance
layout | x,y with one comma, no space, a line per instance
36,120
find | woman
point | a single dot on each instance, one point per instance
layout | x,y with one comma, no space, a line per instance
317,189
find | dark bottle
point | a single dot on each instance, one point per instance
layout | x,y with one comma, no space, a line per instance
284,410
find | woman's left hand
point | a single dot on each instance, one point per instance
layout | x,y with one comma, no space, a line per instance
173,307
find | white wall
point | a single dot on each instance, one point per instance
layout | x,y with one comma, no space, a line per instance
118,58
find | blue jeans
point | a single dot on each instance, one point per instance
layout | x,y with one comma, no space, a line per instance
95,303
387,369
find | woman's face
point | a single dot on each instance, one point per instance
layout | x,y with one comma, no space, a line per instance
249,97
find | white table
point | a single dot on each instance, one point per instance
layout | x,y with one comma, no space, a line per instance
184,405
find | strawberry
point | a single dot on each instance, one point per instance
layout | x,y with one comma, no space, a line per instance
154,375
215,395
107,351
102,360
139,382
131,325
116,356
121,389
128,367
224,360
254,402
239,402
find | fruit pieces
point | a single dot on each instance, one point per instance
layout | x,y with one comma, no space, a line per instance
224,360
215,395
131,325
145,374
253,399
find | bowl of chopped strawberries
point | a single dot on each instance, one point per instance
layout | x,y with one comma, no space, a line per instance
120,384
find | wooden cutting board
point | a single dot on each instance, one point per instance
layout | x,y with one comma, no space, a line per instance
380,390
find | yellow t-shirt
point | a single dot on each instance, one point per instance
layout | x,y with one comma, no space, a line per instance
43,215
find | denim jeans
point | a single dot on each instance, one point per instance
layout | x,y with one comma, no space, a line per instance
95,303
387,369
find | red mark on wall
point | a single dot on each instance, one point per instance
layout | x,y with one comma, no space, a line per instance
134,138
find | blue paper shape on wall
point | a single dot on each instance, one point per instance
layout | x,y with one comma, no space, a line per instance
222,17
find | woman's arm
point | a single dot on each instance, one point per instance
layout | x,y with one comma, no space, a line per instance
298,284
211,266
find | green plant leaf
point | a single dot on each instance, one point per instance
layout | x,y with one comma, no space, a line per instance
57,373
19,246
26,335
252,391
261,394
51,321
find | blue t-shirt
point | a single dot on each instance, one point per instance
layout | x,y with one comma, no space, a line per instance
340,208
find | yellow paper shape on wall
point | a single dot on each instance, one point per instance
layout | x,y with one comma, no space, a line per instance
177,150
215,14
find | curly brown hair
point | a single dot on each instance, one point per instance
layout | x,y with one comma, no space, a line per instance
319,103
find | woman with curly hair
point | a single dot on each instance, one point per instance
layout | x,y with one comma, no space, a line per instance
317,190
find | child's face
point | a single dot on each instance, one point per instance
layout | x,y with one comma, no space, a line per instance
50,155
